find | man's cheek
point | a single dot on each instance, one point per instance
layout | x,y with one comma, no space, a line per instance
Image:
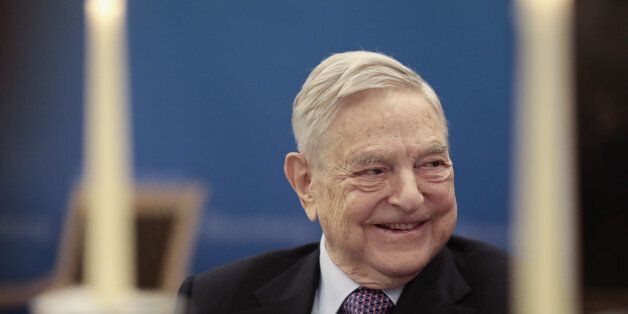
443,200
438,190
368,186
340,209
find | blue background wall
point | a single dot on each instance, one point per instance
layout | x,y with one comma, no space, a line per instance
212,87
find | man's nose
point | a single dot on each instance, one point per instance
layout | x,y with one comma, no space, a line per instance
406,192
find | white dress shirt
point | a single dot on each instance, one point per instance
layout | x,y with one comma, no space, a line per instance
335,286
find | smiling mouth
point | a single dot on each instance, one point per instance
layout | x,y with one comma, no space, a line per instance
400,226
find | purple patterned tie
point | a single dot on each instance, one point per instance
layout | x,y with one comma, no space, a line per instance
365,300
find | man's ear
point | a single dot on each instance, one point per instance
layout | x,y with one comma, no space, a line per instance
298,174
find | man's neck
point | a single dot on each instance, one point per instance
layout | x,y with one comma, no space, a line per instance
364,276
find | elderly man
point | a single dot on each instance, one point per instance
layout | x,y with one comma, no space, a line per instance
374,169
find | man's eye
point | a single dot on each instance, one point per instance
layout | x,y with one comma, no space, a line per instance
434,170
435,165
374,171
371,172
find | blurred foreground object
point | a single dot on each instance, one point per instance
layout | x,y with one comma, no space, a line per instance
112,230
166,220
546,197
107,169
165,223
109,270
602,98
545,212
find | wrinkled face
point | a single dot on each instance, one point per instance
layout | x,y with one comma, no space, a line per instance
384,187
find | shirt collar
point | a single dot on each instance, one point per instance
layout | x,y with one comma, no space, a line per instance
335,285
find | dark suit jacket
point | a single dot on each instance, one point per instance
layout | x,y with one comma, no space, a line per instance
467,276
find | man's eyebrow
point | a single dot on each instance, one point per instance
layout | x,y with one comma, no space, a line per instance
367,158
373,157
435,149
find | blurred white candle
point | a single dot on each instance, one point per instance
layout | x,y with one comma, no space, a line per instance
545,265
109,262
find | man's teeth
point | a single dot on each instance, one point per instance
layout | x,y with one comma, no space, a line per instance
400,226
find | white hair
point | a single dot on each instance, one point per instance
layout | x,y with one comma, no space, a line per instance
344,74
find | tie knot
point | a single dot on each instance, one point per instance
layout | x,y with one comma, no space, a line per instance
365,300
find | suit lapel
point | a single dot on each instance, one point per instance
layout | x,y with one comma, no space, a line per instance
436,289
293,290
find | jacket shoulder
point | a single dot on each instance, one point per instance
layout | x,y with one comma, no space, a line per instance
234,283
485,268
476,253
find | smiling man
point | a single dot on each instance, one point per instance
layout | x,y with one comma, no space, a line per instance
374,169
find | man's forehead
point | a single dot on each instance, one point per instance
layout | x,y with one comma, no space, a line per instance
362,109
368,117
